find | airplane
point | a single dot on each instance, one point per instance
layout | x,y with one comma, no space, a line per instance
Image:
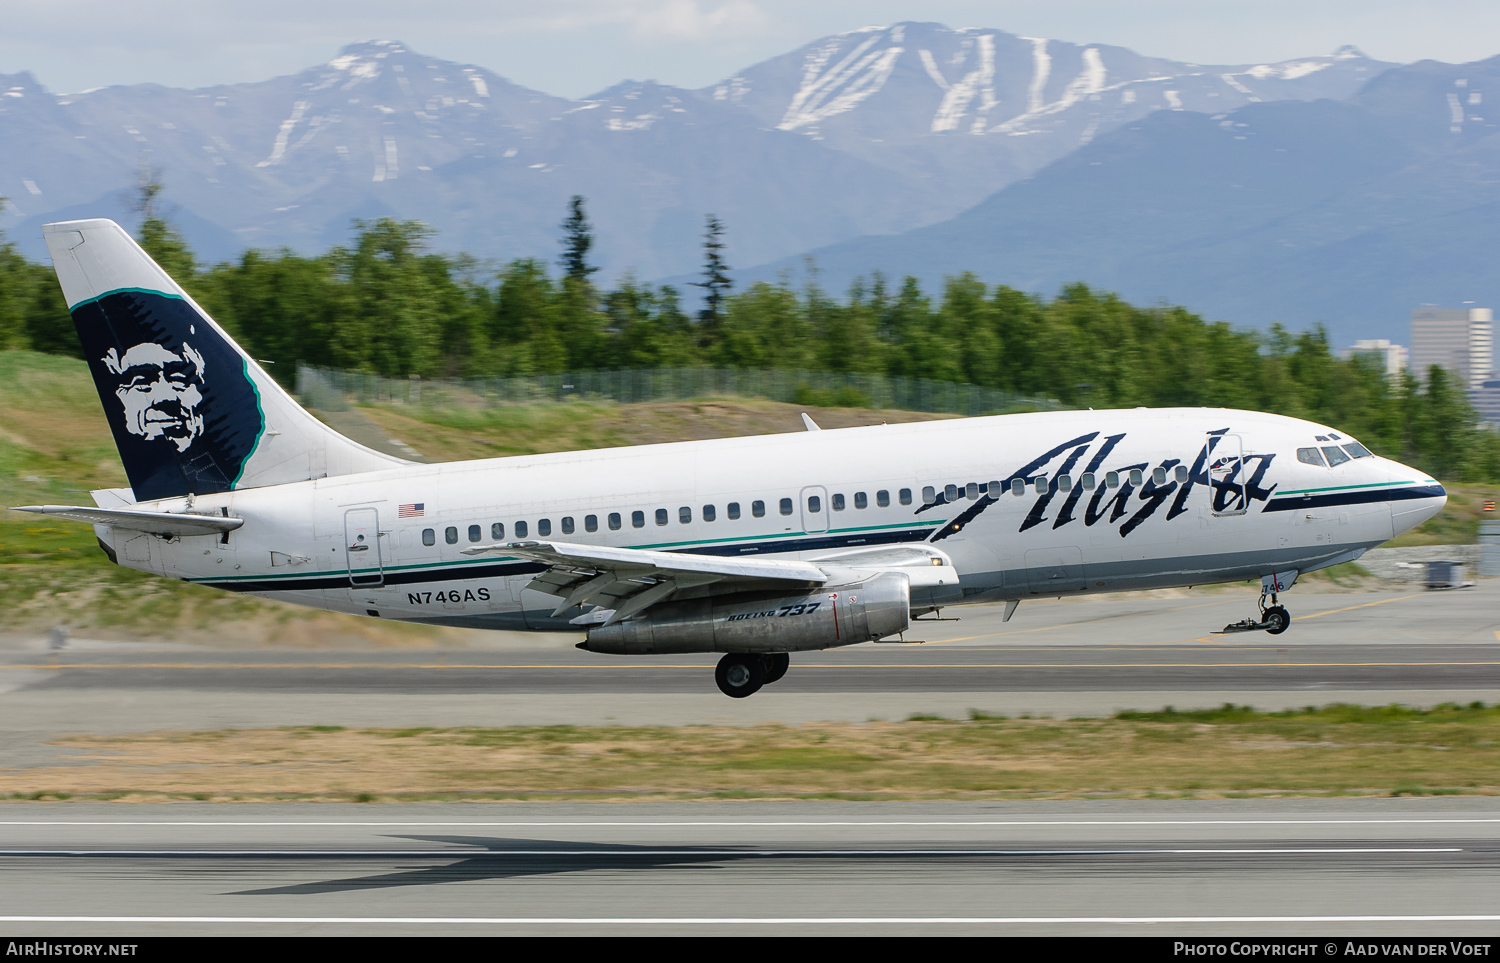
753,548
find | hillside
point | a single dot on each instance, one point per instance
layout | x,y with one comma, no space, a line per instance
1349,213
872,131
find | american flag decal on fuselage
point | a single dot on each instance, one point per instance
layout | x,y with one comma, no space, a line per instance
411,511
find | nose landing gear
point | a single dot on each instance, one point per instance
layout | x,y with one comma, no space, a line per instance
1274,619
741,674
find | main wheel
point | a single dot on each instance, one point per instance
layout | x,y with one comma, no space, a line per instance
1279,620
740,675
776,665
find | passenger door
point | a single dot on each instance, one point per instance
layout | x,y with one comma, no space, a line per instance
1226,474
362,547
815,509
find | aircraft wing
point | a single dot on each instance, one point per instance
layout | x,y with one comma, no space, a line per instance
629,580
167,524
625,581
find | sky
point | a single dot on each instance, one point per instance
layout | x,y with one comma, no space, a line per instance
576,47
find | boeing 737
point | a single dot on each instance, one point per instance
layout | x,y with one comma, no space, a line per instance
750,547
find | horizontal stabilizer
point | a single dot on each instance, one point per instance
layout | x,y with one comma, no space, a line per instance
169,524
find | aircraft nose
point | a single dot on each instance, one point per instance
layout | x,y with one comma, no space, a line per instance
1416,498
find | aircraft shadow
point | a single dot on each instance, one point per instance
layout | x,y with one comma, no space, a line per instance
500,859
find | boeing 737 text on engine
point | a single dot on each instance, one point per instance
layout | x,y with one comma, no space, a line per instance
750,547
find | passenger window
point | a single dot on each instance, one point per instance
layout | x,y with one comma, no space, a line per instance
709,514
860,501
994,489
591,523
758,508
544,526
971,490
950,493
929,495
836,502
661,516
1112,479
1064,483
521,529
734,510
1356,450
1018,486
1182,474
1040,485
904,496
1087,481
475,533
883,498
614,521
637,519
567,524
429,537
1335,455
685,515
1159,476
497,532
1136,477
786,506
814,504
450,535
1310,456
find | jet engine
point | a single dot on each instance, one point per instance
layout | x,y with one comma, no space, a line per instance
764,621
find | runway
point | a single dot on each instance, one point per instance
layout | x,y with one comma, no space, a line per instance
1360,867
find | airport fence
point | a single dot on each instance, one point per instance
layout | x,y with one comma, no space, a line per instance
330,389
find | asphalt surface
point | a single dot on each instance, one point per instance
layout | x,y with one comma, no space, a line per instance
1359,867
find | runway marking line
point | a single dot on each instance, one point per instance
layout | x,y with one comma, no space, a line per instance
688,851
747,920
1317,821
800,667
1351,608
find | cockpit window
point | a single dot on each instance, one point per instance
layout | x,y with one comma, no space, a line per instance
1357,450
1335,455
1309,456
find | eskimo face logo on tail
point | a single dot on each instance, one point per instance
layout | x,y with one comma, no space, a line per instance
160,391
184,412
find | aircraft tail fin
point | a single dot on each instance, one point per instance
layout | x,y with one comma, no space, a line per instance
191,412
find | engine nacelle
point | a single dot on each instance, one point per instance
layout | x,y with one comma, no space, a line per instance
765,621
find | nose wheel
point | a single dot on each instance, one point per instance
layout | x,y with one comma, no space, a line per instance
1273,620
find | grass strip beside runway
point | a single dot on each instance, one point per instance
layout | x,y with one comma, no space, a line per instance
1226,752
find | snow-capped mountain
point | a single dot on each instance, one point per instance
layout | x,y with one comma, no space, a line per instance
1349,213
871,132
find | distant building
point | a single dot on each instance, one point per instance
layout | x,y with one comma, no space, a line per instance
1460,340
1392,356
1486,399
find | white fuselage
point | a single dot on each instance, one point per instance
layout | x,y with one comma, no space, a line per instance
389,543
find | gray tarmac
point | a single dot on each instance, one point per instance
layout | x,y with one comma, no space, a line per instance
1232,867
1167,868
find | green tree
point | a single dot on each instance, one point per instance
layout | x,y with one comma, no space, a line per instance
577,239
716,282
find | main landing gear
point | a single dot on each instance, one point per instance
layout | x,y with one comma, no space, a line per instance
740,674
1274,619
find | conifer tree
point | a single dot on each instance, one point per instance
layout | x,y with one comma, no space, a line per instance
577,239
716,282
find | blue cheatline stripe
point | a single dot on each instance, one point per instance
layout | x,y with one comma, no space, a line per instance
460,571
1294,503
100,297
260,409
